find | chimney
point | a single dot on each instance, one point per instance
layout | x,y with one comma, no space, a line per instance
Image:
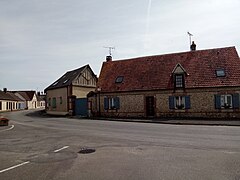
5,90
193,46
108,58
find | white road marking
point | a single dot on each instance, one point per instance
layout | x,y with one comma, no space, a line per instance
8,128
230,152
4,170
65,147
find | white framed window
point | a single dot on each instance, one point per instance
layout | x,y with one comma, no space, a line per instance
179,102
179,82
226,101
111,103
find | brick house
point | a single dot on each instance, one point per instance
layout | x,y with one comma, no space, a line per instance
202,83
61,94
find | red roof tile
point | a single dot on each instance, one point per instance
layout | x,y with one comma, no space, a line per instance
155,72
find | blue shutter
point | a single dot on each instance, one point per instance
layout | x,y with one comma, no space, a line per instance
106,105
187,102
235,101
117,102
171,102
217,101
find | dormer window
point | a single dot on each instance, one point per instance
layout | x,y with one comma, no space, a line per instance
179,81
119,79
178,75
220,73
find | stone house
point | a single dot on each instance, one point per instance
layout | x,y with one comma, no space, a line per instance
202,83
61,95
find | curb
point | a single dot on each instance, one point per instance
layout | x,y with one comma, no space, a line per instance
204,123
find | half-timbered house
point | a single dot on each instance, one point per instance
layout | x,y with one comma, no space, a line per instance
61,94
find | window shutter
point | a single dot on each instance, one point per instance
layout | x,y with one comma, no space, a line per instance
236,101
217,101
54,104
187,102
106,105
171,102
117,102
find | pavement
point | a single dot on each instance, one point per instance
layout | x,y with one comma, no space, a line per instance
177,121
210,122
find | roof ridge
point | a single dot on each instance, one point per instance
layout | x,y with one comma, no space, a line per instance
177,53
68,77
77,68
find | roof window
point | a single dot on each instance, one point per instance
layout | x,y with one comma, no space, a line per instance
65,81
119,79
54,84
220,73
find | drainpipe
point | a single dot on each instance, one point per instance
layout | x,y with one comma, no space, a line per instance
99,104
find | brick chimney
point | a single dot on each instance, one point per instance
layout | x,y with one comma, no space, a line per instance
5,90
108,58
193,46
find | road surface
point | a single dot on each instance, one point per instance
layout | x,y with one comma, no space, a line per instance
33,147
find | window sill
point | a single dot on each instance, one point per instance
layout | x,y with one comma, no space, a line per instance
226,107
178,110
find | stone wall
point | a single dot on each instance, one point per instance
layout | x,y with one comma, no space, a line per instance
132,104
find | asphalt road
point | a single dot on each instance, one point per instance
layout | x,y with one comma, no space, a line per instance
34,148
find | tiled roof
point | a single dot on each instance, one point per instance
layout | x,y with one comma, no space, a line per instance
41,97
67,78
14,97
27,95
6,96
155,72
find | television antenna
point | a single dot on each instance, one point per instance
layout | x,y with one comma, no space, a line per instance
190,35
110,48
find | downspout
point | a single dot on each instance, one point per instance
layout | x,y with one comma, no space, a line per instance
67,100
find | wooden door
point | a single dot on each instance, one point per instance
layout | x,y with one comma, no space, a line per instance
150,106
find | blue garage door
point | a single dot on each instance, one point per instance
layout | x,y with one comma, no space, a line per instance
81,107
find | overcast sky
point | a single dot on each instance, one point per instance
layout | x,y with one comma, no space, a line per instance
42,39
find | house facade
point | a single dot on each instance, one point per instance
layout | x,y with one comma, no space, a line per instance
8,101
202,83
30,98
61,95
41,99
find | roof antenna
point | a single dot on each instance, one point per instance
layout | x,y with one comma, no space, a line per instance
190,35
110,48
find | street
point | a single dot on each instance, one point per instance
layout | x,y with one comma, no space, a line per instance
34,147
